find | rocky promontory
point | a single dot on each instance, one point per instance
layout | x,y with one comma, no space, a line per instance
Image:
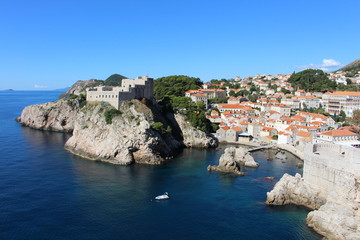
137,132
330,186
52,116
130,137
232,160
293,190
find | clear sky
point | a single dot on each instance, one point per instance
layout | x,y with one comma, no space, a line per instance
51,44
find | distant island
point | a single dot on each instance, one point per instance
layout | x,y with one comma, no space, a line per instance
8,90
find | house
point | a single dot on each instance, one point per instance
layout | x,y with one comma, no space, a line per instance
200,97
342,137
284,138
221,133
308,101
336,101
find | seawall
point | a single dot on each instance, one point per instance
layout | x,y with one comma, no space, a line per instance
332,168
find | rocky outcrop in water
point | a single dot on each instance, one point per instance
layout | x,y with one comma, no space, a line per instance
129,138
336,215
138,133
232,159
244,158
227,163
293,190
54,116
336,220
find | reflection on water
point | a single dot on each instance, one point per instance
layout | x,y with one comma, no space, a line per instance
39,138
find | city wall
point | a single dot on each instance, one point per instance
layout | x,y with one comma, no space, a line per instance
333,169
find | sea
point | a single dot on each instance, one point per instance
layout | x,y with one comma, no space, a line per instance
48,193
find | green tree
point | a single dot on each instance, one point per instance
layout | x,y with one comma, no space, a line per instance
355,119
175,85
285,91
110,114
314,80
252,97
232,93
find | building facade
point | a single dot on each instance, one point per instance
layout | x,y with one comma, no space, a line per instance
141,87
346,101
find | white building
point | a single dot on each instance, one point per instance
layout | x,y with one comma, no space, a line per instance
336,101
342,137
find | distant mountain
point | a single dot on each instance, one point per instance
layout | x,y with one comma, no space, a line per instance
62,89
354,66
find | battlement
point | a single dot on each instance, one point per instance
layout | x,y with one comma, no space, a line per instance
141,87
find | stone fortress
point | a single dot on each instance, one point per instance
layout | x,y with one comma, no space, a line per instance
333,168
330,186
141,87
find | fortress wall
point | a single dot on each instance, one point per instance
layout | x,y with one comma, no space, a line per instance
141,87
296,151
333,168
106,96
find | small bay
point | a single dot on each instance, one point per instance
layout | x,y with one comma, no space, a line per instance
47,193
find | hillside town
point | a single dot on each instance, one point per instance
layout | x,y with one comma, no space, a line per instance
275,112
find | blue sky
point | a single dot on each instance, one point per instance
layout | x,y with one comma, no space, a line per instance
52,44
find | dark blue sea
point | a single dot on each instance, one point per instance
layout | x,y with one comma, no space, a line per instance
47,193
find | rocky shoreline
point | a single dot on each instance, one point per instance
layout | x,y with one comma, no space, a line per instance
129,138
330,188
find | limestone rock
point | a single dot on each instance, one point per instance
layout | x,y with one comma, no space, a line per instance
243,157
293,190
129,138
227,163
340,221
55,116
231,160
194,137
80,86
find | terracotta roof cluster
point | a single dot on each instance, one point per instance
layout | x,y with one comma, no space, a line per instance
235,106
338,133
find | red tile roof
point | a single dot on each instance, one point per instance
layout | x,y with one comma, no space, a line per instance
338,133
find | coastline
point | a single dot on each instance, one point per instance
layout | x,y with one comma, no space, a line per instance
257,147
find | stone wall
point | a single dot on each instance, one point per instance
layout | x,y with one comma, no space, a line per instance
141,87
333,169
295,151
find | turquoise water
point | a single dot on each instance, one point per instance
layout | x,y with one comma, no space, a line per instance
47,193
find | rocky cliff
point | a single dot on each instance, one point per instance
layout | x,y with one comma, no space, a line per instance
80,86
54,116
334,216
330,186
138,133
293,190
129,138
193,137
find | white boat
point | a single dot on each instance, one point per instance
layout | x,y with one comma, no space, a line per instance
162,197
